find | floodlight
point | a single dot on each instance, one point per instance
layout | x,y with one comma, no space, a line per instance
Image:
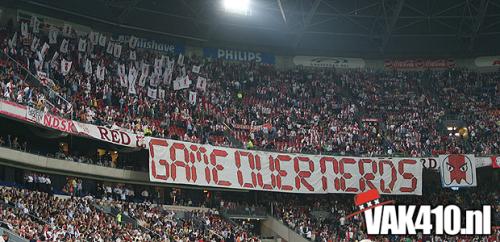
237,6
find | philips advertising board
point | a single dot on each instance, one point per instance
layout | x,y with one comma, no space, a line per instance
239,55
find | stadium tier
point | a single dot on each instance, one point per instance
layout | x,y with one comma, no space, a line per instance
106,136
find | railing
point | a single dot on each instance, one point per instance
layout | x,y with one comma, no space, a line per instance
53,98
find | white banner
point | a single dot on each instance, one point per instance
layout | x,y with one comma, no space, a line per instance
110,48
34,43
458,170
24,29
117,50
65,66
192,98
102,40
182,83
50,121
100,72
66,30
487,61
196,69
82,45
94,38
201,84
152,92
45,49
132,42
88,67
34,115
36,25
177,162
64,46
114,136
336,62
53,32
132,55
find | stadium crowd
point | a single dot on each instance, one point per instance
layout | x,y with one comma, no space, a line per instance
40,216
260,106
245,105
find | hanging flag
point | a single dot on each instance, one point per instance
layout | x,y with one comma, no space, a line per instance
45,49
201,83
64,46
88,67
67,30
180,61
167,76
100,72
36,25
161,93
24,29
144,75
181,83
34,43
164,60
90,48
152,92
53,32
94,38
12,43
121,75
53,61
82,45
157,70
65,66
132,55
170,64
132,42
131,88
132,76
110,48
38,64
157,63
117,50
183,71
192,98
196,69
102,40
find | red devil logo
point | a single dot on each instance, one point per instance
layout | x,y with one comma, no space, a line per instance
458,169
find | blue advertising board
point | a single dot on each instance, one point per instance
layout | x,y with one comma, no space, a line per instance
239,55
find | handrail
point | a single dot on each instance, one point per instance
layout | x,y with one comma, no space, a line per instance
41,84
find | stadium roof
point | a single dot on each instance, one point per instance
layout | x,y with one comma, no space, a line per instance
366,28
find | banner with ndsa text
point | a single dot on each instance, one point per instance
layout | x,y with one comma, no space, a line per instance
239,55
154,45
328,62
487,61
177,162
50,121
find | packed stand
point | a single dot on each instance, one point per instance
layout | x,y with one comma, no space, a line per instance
297,110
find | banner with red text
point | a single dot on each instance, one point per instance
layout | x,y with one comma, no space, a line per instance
419,63
115,136
172,161
51,121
